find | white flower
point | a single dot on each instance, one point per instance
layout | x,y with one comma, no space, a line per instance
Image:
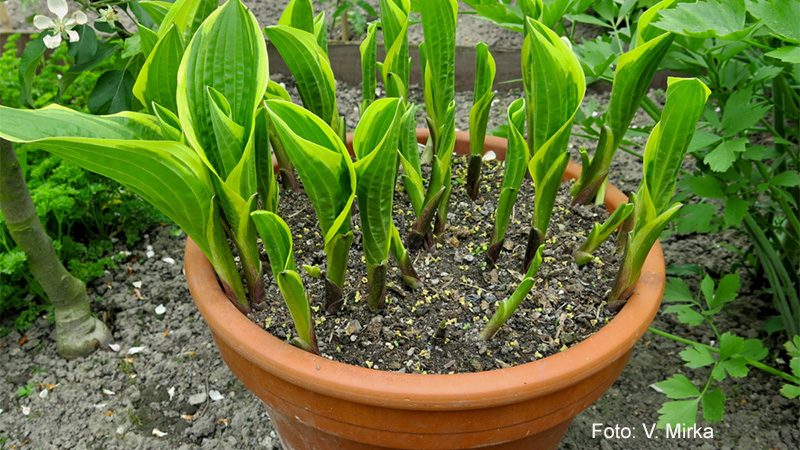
108,15
61,29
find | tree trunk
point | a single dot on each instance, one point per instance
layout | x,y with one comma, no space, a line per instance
78,332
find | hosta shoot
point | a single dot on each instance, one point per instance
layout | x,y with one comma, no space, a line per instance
375,146
479,115
516,162
196,163
329,179
439,28
632,78
300,14
509,305
276,91
664,153
396,67
278,242
601,232
554,88
369,81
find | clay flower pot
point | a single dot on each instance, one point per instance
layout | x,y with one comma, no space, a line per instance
319,404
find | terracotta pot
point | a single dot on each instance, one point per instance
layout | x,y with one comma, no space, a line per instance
319,404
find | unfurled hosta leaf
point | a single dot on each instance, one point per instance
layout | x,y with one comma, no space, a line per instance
58,121
479,115
239,73
369,81
310,68
632,78
298,14
278,242
328,177
126,147
509,305
554,88
187,15
158,78
167,174
219,88
516,162
375,145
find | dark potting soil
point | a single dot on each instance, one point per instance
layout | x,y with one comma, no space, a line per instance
435,328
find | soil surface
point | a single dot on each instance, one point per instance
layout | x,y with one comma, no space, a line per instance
162,384
435,328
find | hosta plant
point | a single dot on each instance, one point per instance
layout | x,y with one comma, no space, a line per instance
201,149
663,156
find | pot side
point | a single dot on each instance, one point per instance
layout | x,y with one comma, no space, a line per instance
316,403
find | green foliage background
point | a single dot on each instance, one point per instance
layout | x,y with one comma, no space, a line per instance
82,212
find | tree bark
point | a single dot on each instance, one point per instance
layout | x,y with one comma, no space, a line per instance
78,332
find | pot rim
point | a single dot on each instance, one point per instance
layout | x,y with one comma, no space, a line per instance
425,391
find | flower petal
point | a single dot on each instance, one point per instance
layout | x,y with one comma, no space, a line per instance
78,17
73,35
43,22
52,41
58,7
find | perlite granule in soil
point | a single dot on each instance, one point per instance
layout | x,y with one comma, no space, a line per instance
434,329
